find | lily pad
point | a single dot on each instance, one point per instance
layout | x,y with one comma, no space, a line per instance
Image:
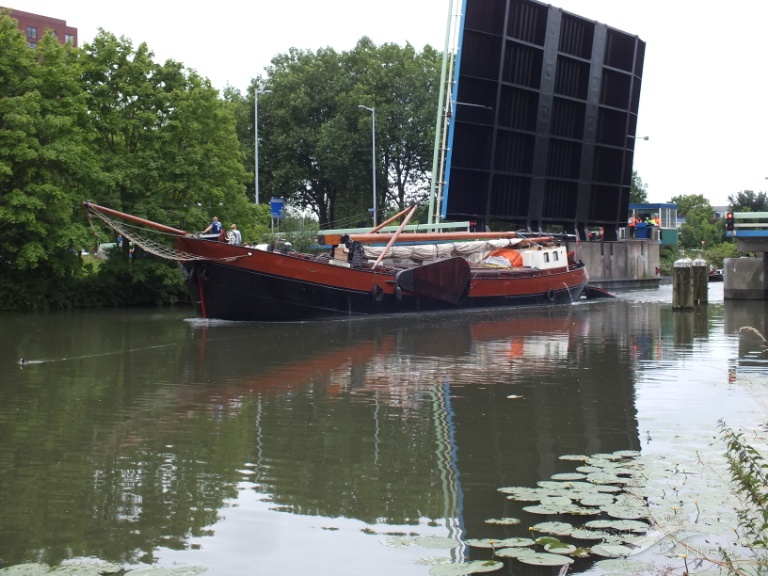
33,569
560,548
556,528
400,541
503,521
436,542
471,567
622,565
575,457
612,550
583,534
484,542
569,476
513,552
516,542
622,525
545,559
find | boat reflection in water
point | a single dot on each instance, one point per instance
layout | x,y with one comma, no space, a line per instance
394,423
246,447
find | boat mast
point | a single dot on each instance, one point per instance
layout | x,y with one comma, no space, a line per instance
441,116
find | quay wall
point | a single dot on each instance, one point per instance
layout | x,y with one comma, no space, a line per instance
746,278
622,264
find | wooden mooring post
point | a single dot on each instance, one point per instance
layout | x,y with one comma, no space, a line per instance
689,283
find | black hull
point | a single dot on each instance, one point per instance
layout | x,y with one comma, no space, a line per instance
229,293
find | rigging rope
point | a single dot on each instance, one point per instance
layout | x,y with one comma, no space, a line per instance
132,233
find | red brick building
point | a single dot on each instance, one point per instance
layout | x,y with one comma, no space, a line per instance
35,27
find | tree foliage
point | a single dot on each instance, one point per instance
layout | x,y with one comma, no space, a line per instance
315,139
639,192
748,201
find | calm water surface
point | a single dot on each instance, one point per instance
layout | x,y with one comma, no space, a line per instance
151,437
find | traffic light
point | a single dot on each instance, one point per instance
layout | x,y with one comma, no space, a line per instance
729,221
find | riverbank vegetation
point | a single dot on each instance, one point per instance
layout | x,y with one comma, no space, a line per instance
108,123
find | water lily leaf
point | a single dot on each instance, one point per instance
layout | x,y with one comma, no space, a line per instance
484,542
513,552
569,476
556,501
611,550
576,457
524,494
622,565
85,569
546,540
539,509
503,521
624,512
597,499
161,571
583,534
472,567
627,453
516,542
400,541
621,525
33,569
557,528
560,548
436,542
545,559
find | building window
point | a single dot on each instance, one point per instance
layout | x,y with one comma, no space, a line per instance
31,44
31,32
69,38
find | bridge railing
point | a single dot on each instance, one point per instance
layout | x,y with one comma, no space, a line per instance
749,224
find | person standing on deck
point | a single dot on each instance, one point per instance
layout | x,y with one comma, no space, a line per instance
214,227
233,236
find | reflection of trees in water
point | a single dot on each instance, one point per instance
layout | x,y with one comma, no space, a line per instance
391,420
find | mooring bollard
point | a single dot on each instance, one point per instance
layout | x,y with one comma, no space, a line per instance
700,278
682,284
689,283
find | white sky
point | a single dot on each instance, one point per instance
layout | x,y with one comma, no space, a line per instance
704,99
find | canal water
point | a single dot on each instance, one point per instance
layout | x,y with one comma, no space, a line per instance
371,446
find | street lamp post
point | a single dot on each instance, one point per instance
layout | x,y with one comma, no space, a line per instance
256,139
373,156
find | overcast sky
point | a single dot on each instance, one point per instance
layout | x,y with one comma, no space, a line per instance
704,99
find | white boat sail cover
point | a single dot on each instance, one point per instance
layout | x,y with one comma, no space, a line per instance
475,252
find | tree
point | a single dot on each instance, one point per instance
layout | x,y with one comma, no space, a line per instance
688,202
639,191
700,222
748,201
315,141
45,166
165,138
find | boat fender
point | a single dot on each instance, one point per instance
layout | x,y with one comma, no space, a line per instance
551,295
377,293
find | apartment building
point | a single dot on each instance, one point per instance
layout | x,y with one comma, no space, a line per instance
35,27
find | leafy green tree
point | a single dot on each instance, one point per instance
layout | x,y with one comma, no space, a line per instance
45,164
165,138
687,202
700,223
315,140
639,192
748,201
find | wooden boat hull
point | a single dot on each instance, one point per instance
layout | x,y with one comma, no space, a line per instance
241,283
